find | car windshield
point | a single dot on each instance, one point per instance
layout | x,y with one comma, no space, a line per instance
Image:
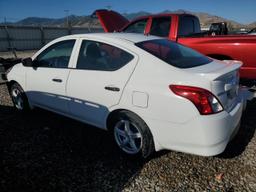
174,53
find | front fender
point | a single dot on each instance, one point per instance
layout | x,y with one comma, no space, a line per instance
18,74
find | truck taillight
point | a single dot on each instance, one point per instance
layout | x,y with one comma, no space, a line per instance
204,100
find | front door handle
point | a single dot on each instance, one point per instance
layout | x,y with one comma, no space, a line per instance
57,80
109,88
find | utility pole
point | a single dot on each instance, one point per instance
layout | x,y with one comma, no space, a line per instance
67,15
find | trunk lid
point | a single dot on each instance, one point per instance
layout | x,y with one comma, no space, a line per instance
110,20
224,80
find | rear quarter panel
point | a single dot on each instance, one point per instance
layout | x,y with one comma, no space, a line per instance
152,77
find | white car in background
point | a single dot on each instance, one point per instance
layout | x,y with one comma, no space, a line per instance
151,93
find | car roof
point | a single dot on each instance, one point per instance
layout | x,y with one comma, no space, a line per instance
127,37
162,15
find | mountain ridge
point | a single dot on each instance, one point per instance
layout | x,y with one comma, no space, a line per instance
85,21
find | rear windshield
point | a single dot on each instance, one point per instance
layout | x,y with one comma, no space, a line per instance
174,53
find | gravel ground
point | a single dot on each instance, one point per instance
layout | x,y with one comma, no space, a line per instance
41,151
20,54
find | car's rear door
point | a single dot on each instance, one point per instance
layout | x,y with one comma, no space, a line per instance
46,81
97,81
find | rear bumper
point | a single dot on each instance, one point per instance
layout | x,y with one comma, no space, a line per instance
203,135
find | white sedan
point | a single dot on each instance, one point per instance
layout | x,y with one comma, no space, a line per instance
151,93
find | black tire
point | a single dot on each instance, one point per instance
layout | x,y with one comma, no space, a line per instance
147,143
234,134
21,96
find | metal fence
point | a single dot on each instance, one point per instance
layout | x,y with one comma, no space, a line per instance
29,38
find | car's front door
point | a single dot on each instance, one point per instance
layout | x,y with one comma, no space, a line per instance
46,80
98,80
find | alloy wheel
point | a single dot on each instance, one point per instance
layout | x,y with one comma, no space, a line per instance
17,99
128,136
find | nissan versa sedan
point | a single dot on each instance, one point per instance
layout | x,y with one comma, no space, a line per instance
149,92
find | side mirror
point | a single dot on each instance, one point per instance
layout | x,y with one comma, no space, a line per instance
27,62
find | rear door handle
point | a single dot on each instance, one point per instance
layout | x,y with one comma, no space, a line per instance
57,80
109,88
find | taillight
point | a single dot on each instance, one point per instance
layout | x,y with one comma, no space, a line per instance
204,100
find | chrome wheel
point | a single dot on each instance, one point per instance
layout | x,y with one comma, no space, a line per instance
128,136
17,99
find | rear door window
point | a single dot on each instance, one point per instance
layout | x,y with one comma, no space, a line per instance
136,27
160,26
173,53
188,25
102,57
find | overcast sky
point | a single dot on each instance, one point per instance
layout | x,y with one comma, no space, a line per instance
243,11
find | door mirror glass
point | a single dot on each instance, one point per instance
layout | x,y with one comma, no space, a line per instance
27,62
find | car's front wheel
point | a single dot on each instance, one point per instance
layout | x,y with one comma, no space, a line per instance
132,135
19,98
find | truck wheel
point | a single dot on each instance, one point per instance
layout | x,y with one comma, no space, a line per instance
19,98
132,135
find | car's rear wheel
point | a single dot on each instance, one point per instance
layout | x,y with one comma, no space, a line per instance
132,135
19,98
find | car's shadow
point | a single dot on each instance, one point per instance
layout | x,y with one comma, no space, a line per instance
246,132
42,151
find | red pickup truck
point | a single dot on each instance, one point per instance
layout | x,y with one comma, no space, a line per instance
185,29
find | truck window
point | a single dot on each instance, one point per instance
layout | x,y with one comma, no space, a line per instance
173,53
188,25
160,26
136,27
